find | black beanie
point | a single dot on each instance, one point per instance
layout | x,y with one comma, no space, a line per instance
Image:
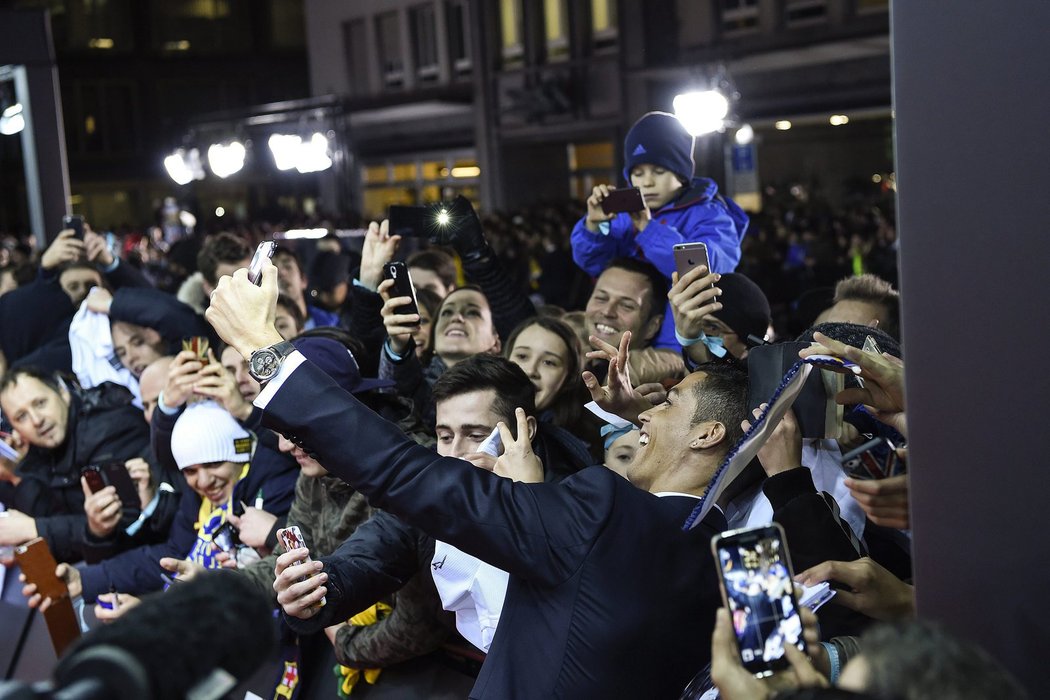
329,270
658,138
745,308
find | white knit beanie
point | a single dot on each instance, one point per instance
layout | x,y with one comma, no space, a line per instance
206,433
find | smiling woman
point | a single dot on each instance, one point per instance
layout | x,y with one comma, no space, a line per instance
464,327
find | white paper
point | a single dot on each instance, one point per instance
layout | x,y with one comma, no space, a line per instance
610,418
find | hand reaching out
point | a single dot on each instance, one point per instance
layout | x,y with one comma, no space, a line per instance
873,590
518,461
399,327
617,396
378,249
783,450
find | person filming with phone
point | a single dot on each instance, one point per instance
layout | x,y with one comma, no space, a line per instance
675,207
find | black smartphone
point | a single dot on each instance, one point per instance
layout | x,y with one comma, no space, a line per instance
263,252
409,221
403,287
226,537
76,223
117,476
688,256
758,590
625,199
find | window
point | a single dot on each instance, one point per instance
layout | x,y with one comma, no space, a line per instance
102,119
87,25
202,26
424,42
805,13
391,63
590,164
603,23
458,21
556,29
511,32
355,46
287,24
739,17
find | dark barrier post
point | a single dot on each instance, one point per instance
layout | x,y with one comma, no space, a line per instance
972,104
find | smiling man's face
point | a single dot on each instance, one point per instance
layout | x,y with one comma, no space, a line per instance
622,301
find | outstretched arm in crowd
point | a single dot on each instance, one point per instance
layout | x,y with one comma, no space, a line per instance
693,298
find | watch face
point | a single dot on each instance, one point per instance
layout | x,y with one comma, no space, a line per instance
264,364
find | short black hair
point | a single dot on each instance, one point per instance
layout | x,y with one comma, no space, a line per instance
52,380
722,396
286,303
221,248
285,250
512,386
657,282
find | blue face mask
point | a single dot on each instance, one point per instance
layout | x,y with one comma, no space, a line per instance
715,346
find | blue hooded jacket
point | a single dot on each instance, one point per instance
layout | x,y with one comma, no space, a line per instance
697,214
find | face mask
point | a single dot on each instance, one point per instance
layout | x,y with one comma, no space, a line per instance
715,346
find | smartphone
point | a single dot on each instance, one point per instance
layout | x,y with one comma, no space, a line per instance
403,287
76,223
409,221
625,199
688,256
492,443
226,537
39,566
198,345
94,478
291,537
875,459
758,590
263,252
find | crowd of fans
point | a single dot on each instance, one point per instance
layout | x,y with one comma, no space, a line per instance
439,460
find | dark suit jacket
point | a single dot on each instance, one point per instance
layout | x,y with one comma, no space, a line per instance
608,597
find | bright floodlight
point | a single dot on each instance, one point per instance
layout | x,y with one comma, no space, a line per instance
226,160
744,135
313,155
701,112
285,149
12,120
183,166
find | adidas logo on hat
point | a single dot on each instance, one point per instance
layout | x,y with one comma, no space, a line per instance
639,150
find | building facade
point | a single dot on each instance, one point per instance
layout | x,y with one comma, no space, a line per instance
516,101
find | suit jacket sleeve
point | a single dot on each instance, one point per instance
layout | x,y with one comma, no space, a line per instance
540,532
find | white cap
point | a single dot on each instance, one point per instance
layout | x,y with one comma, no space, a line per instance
206,433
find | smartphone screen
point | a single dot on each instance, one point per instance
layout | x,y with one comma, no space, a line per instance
263,252
225,537
403,287
76,223
292,538
626,199
758,591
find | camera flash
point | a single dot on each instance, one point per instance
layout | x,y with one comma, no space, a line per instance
442,217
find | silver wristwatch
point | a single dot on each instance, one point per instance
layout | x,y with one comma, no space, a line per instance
266,362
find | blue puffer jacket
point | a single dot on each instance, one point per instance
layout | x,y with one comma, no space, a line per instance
699,213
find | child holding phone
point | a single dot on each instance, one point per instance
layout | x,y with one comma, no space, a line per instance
679,208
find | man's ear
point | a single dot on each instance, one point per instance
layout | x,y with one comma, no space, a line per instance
532,428
498,345
706,435
651,328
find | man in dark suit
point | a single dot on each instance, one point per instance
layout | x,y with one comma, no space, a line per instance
608,596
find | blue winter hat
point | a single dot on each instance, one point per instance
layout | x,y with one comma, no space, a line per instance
338,363
658,138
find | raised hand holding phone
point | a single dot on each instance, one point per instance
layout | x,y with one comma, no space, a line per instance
298,581
262,253
399,326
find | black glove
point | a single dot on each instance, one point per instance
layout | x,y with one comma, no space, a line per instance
463,231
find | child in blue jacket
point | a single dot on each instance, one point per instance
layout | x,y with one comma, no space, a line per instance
680,208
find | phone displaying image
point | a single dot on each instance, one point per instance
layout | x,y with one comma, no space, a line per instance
198,345
875,459
76,223
291,538
403,287
226,537
688,256
625,199
262,253
759,593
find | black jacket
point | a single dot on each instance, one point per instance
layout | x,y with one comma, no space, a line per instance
103,426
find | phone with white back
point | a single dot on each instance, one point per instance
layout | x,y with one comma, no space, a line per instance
262,253
758,590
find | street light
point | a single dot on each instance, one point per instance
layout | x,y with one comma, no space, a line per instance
12,120
225,160
701,112
184,166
